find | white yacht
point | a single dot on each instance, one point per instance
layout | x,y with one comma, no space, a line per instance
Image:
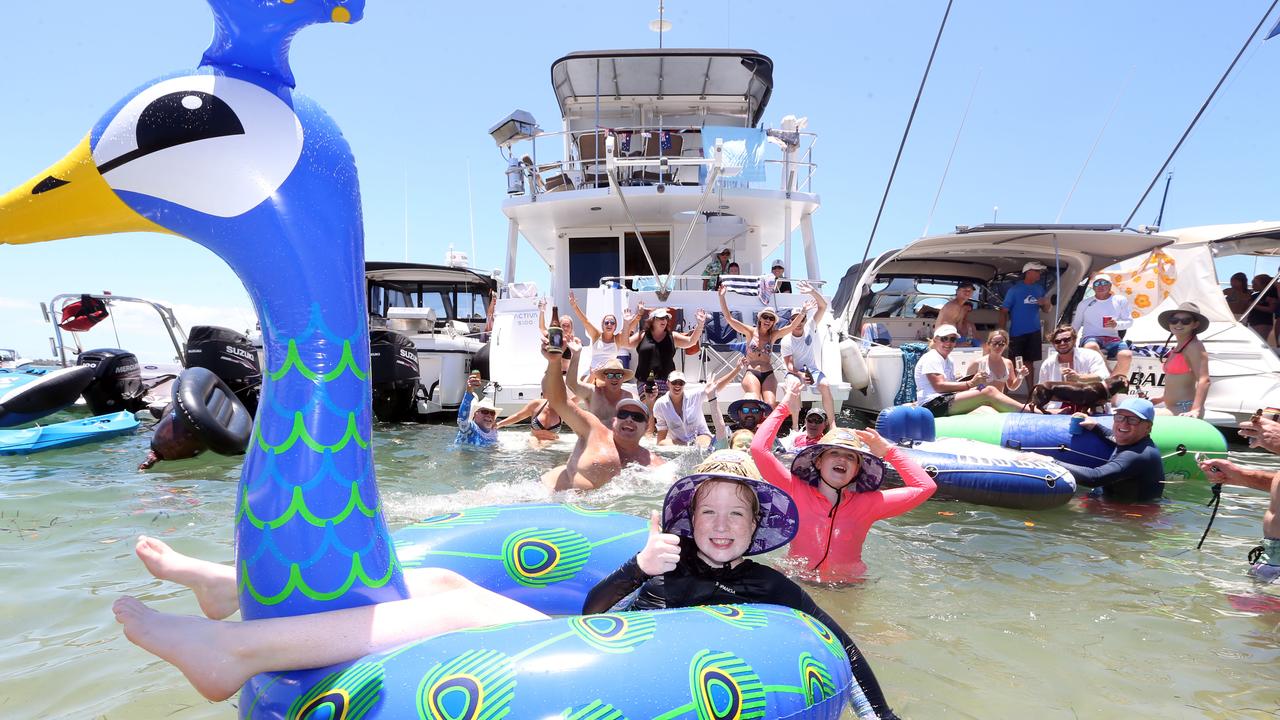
662,157
894,299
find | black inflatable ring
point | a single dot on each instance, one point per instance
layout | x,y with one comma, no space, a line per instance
207,405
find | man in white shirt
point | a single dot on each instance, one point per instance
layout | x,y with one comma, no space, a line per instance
801,350
1071,363
678,414
1100,320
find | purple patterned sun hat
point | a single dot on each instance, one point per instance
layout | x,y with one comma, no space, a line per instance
870,471
778,522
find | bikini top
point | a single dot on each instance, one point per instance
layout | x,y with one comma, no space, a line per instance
537,424
1176,363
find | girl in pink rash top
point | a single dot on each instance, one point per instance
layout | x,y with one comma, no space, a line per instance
836,487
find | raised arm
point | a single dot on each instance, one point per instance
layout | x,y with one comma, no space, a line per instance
593,332
582,390
819,302
682,340
797,320
772,469
542,315
734,323
553,388
637,320
918,486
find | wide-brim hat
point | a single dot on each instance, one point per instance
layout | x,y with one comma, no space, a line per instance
776,526
614,365
870,470
1202,322
735,408
660,313
485,404
768,311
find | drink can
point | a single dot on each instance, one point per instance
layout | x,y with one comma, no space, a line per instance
1108,321
555,340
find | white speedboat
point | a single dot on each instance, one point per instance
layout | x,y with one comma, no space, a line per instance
10,359
894,299
661,159
439,310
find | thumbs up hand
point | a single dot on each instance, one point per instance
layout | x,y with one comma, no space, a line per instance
661,552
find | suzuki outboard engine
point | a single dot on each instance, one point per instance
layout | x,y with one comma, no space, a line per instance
232,357
117,381
394,367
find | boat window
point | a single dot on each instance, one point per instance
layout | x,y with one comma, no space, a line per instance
659,244
592,258
908,297
472,306
437,302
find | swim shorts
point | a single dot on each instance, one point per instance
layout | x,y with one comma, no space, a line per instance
939,405
1263,569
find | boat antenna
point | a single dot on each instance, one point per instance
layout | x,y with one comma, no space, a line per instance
907,130
1168,180
1105,123
471,216
1203,107
406,213
954,145
660,25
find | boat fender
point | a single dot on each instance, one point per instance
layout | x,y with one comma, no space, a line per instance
44,396
854,365
208,406
906,423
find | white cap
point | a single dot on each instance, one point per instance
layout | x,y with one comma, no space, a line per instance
675,376
778,263
1033,265
943,330
661,313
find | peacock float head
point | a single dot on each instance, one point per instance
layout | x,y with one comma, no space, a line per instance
229,156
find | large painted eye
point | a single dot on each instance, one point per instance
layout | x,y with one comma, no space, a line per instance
214,144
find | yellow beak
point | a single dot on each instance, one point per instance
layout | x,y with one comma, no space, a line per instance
70,199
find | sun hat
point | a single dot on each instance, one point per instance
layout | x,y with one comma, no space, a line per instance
778,263
614,365
1202,322
1141,407
767,311
484,404
775,526
1033,265
660,313
736,407
945,329
631,403
725,251
675,376
870,471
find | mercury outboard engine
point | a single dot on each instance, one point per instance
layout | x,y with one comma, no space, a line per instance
394,367
231,356
117,381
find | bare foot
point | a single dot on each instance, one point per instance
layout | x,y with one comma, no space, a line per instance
199,648
214,585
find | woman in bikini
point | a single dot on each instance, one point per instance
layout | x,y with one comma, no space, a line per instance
544,422
1186,368
759,380
999,369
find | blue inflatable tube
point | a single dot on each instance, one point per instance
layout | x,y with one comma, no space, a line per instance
547,556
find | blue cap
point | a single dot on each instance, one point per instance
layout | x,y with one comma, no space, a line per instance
1140,407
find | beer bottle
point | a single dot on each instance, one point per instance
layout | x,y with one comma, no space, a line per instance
555,335
651,385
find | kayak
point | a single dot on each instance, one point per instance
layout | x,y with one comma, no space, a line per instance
1179,438
66,434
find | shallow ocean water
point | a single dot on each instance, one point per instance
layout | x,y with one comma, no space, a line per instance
967,611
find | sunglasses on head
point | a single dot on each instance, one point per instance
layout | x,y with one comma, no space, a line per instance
1182,320
633,415
949,338
614,374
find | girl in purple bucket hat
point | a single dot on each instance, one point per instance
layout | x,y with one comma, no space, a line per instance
695,555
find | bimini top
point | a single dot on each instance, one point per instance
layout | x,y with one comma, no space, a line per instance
394,272
744,75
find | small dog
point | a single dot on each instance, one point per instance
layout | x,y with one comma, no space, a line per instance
1076,397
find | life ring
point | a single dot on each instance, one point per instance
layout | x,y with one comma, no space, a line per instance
711,662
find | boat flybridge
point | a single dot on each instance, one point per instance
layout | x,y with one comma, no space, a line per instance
661,159
894,299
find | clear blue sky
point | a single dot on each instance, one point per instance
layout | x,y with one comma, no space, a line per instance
416,85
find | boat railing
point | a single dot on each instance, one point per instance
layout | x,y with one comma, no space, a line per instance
651,283
575,160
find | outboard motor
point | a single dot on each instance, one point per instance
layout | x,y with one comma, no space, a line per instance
393,364
204,415
232,357
117,381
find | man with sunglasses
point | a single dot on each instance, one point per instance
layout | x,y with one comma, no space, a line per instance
602,450
1134,472
1070,363
1099,322
606,386
938,390
477,418
815,426
1021,310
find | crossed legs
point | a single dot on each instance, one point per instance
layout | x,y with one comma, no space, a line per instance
218,657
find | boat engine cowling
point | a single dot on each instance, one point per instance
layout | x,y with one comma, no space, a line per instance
117,381
232,357
393,364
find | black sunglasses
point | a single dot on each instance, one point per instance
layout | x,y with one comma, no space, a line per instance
815,419
634,415
949,339
1182,320
609,322
997,343
1063,341
676,383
